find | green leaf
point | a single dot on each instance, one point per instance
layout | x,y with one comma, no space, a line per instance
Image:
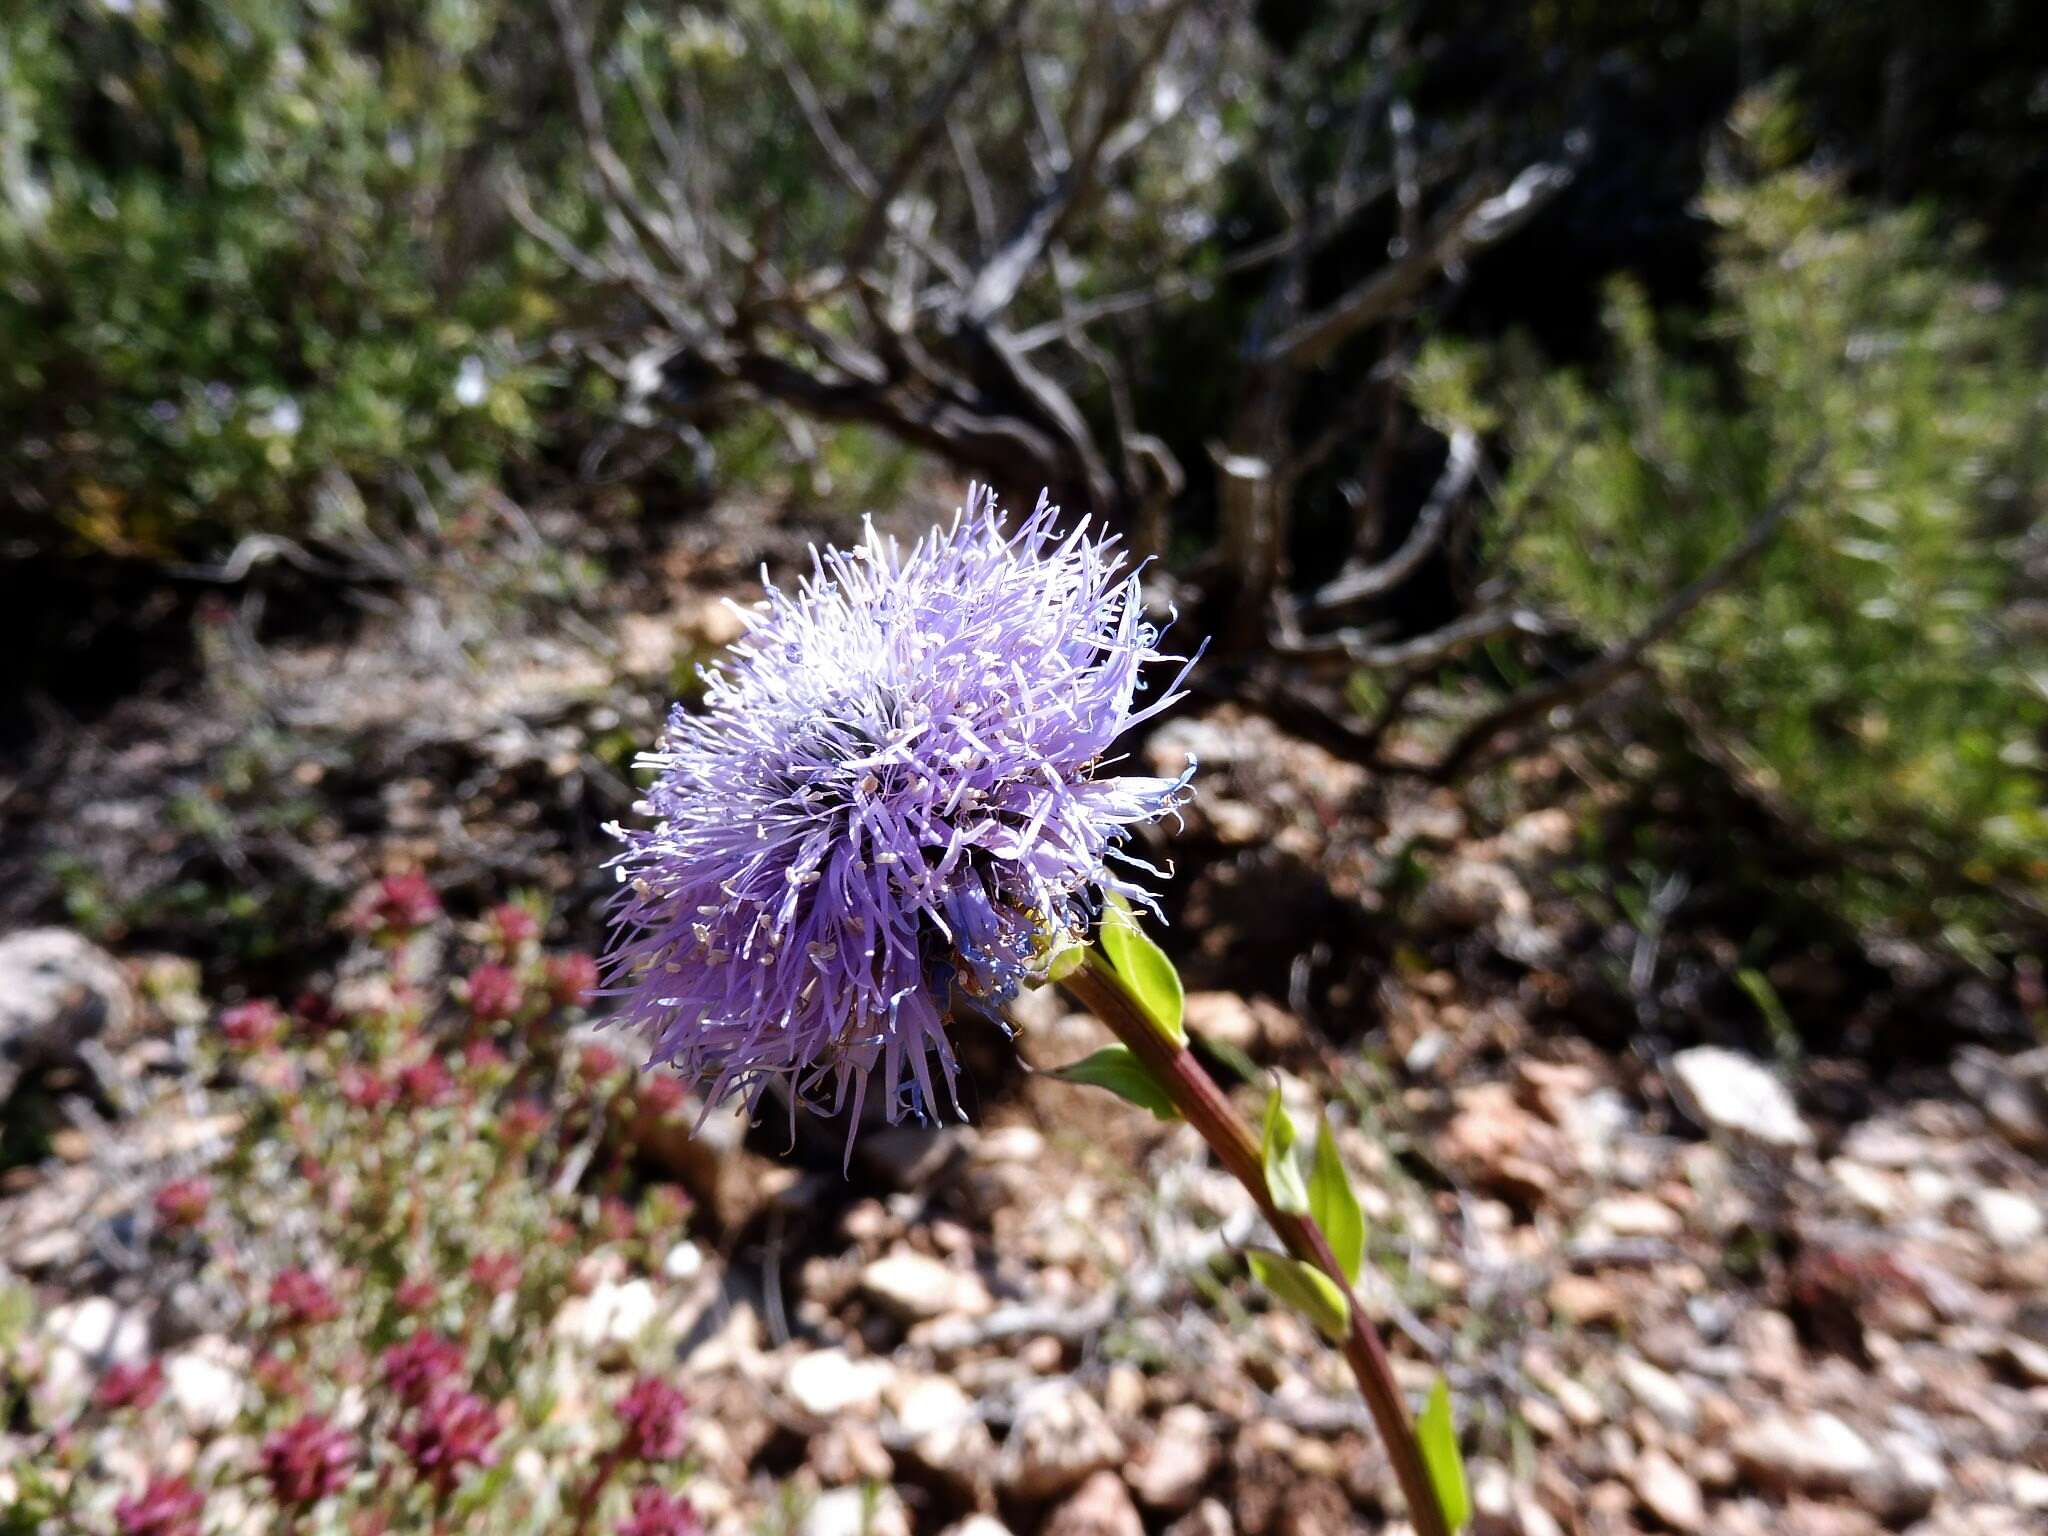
1305,1288
1064,958
1115,1068
1438,1437
1144,968
1283,1174
1230,1056
1334,1204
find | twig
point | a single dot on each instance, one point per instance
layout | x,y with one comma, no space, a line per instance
1097,987
1583,682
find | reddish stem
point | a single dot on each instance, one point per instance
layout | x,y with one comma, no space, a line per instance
1098,988
593,1494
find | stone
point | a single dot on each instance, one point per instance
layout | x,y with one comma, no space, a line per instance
1208,1518
2011,1090
614,1315
1667,1491
827,1382
1585,1300
2011,1221
936,1425
977,1525
1060,1437
866,1511
1907,1483
1659,1391
848,1452
1179,1460
915,1286
1101,1506
1626,1216
57,993
82,1340
1804,1453
1732,1095
203,1383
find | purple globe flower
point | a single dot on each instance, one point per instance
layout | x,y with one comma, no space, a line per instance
895,786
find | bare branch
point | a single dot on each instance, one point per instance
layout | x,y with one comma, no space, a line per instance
1461,463
1461,234
1357,648
1003,274
932,119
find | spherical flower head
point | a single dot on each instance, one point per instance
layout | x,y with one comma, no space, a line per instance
652,1418
307,1460
396,906
896,787
167,1506
253,1025
183,1202
301,1299
451,1430
570,977
129,1386
419,1366
495,1273
661,1514
492,992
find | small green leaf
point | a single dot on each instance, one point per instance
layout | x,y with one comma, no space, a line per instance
1305,1288
1283,1174
1230,1056
1064,958
1144,968
1115,1068
1438,1436
1334,1204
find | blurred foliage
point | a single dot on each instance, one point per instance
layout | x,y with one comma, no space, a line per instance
245,248
1875,673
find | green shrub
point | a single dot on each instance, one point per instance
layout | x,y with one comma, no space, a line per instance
245,244
1872,673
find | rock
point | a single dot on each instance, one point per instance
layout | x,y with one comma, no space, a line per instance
1804,1453
685,1261
977,1525
936,1425
2011,1221
57,992
1178,1461
855,1512
827,1382
1208,1518
1059,1439
915,1286
1501,1146
203,1383
1626,1216
1099,1507
2029,1488
82,1340
849,1453
614,1315
1586,1300
1668,1491
1659,1391
1251,1025
2011,1090
1910,1479
1732,1095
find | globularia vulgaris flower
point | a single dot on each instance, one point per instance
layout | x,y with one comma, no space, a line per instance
899,782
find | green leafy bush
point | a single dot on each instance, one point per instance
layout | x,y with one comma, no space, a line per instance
245,244
1872,674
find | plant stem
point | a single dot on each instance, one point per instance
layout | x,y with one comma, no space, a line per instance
1097,987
